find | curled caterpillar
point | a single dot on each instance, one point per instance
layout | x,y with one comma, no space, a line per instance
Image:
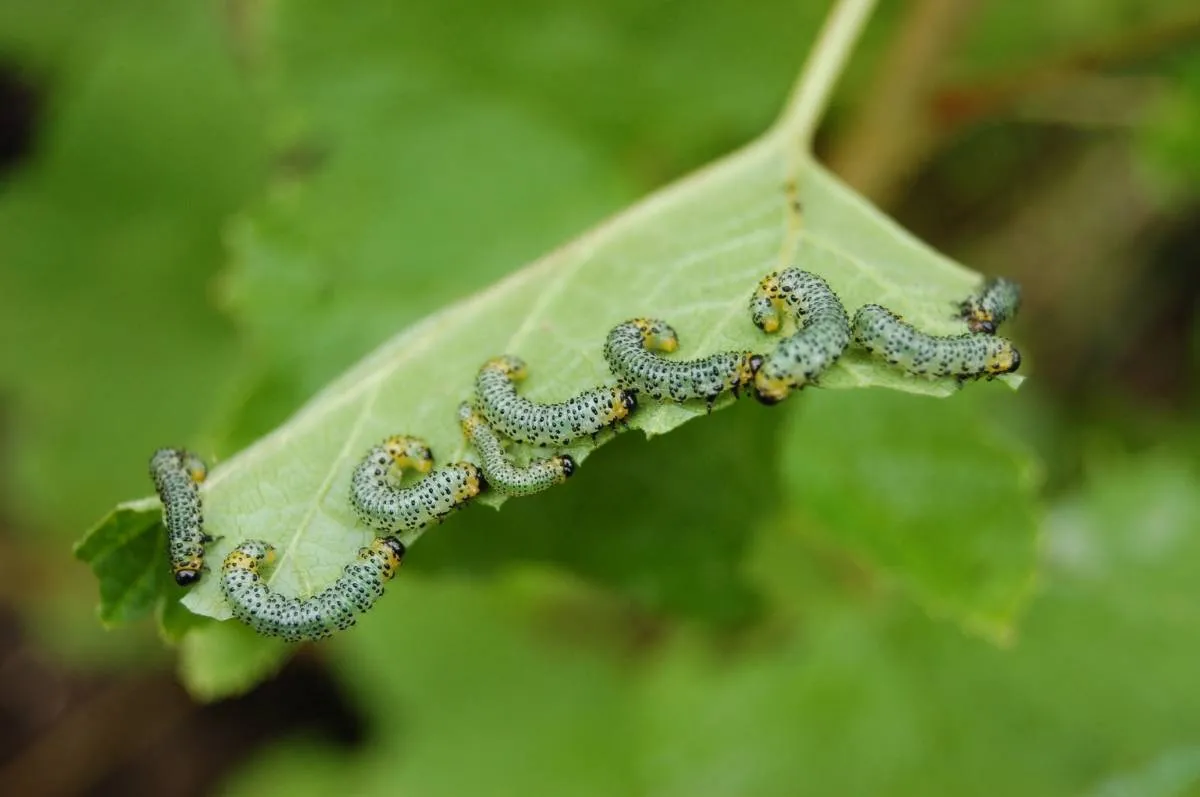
631,352
996,302
498,467
822,333
544,424
885,335
381,503
177,475
294,619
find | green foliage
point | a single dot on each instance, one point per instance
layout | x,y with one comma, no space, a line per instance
111,234
125,551
749,605
942,495
691,254
536,684
1171,140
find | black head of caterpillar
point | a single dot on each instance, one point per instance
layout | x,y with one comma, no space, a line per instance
177,475
996,301
632,353
498,467
822,331
525,421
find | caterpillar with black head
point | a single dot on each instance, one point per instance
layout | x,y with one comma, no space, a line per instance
295,619
525,421
631,350
498,467
822,334
996,301
177,476
381,503
886,336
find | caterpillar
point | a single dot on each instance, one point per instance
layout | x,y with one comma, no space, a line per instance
381,503
631,352
822,335
295,619
498,467
996,302
882,333
177,476
545,424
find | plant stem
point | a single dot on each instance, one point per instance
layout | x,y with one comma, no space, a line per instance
825,63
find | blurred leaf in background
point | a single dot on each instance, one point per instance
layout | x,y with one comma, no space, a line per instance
533,683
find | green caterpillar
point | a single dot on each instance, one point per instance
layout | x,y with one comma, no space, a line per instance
886,336
822,333
631,352
381,503
177,476
295,619
526,421
498,467
996,302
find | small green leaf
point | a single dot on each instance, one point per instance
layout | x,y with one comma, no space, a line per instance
127,552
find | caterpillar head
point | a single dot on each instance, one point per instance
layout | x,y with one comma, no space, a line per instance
473,485
406,451
392,548
567,463
188,573
747,370
197,471
1004,360
250,555
624,403
657,334
510,365
770,390
764,304
981,322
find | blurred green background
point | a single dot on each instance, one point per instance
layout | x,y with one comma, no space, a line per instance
202,208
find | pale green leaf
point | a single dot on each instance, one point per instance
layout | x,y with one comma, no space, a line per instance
690,254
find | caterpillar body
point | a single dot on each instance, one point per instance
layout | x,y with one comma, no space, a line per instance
996,302
527,421
498,467
885,335
381,503
177,476
631,351
822,334
294,619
